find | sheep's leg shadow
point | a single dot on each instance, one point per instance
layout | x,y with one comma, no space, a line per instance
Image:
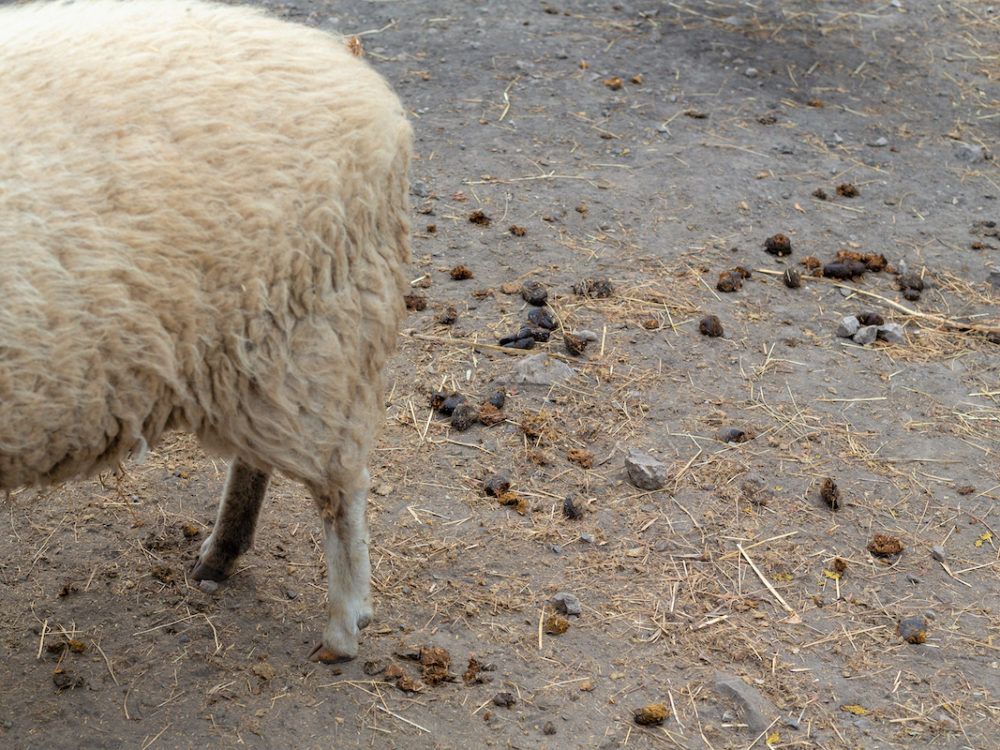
236,523
348,565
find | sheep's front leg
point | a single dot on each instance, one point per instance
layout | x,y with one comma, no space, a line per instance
348,568
236,523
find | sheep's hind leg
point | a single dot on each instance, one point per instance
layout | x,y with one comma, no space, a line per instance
235,525
348,571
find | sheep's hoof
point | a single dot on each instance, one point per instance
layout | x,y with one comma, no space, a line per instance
327,655
205,572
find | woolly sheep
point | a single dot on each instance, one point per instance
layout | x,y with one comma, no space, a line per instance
203,226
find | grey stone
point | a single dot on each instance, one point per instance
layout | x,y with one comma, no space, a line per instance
419,188
938,553
586,335
972,154
848,327
757,711
879,142
751,72
209,587
645,472
566,603
541,369
865,335
892,332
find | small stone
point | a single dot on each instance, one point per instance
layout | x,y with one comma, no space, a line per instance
848,327
972,154
645,472
751,72
913,629
209,587
880,142
587,538
757,711
291,594
938,553
498,398
586,335
566,603
419,188
892,332
541,369
865,335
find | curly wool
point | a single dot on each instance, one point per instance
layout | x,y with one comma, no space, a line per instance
203,226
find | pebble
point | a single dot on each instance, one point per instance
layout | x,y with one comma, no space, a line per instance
892,332
419,188
972,154
757,711
588,538
938,553
865,335
541,369
645,472
209,587
566,603
751,72
848,327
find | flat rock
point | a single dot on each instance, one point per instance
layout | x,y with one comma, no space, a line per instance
566,603
541,369
892,332
645,472
970,153
756,710
865,335
848,327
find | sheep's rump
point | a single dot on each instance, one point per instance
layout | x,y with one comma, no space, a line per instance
203,225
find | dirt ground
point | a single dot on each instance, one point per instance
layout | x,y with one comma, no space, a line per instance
655,145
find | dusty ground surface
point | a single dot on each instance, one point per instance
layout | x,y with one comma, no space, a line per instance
723,121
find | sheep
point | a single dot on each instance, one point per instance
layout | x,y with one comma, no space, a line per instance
203,226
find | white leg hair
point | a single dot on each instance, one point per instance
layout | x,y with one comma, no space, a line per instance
348,574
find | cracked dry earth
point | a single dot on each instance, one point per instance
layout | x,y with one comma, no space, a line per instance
653,146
